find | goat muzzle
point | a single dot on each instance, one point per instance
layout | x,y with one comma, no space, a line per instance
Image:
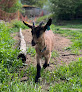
33,43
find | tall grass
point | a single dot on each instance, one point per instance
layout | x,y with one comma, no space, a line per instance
8,55
15,26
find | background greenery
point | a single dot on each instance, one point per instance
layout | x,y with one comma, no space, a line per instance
66,9
10,6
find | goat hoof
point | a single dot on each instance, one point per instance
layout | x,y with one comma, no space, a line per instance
36,79
45,65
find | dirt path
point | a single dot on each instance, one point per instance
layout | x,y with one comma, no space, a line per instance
64,56
70,29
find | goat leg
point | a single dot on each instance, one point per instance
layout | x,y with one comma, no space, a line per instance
47,59
38,69
38,73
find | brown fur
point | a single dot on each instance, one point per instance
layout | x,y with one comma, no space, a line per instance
46,40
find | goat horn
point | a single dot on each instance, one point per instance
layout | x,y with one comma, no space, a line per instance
27,22
41,23
33,24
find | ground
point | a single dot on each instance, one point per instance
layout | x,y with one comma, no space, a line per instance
63,56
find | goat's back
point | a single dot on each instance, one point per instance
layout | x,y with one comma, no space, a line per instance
49,39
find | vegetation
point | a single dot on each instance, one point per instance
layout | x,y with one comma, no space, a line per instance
71,9
38,3
69,78
62,78
44,18
10,6
69,24
31,51
74,35
15,25
8,61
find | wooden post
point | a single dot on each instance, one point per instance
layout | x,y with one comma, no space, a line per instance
22,54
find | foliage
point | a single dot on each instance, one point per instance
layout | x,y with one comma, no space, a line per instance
44,18
38,3
8,59
16,25
66,9
10,6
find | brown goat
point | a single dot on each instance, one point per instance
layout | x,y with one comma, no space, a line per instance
43,40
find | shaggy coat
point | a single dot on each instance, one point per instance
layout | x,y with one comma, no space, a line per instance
43,40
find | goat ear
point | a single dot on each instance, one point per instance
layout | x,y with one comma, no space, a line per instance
27,24
48,24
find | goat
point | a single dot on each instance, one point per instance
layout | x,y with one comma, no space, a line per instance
43,40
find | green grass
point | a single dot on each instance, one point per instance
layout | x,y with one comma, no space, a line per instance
74,35
44,18
31,51
69,24
8,55
62,24
54,54
61,79
15,26
69,77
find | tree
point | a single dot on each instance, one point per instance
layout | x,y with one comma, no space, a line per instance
66,9
10,6
8,9
38,3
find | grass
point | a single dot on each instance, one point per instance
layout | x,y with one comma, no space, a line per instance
70,78
44,18
54,54
8,59
9,63
74,35
61,79
15,26
77,24
31,51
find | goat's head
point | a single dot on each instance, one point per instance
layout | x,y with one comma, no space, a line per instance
37,31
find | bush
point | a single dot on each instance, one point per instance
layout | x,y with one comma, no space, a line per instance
66,9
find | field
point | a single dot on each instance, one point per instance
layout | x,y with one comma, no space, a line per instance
64,73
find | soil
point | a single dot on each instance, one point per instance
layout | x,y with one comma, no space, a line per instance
64,56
